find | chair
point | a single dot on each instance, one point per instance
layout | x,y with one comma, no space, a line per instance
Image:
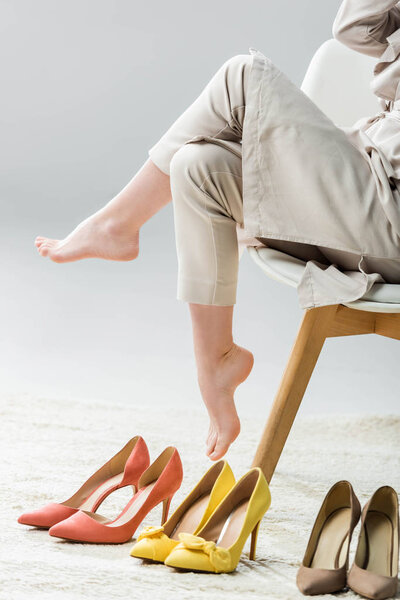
334,67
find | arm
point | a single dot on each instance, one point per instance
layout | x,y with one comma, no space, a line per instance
364,25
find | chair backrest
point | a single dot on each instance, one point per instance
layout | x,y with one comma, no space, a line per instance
338,81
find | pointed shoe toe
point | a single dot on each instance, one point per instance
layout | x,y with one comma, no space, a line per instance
183,558
145,550
82,527
66,529
47,516
312,582
153,549
371,585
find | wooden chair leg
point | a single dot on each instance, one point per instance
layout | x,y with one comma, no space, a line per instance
304,355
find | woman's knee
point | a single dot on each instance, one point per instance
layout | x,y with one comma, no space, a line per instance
192,163
204,172
234,74
238,61
237,68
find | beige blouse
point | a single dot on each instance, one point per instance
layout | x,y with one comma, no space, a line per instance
373,27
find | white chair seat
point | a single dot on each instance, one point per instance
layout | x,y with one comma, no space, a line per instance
382,297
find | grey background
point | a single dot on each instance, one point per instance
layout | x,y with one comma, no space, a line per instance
87,86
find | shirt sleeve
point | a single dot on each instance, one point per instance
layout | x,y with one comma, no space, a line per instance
364,25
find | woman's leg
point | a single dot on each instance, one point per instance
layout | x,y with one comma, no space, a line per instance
208,197
113,232
206,184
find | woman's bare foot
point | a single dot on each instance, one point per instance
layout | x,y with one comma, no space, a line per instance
99,236
113,232
217,385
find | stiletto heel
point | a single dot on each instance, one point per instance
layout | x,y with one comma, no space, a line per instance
160,480
122,470
165,511
253,543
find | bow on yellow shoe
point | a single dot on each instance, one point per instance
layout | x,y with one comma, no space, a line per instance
151,532
219,557
153,544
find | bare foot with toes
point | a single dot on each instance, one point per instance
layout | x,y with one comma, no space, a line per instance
112,232
96,237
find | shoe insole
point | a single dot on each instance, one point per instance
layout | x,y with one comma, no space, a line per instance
191,518
133,506
95,496
226,531
233,525
331,548
379,531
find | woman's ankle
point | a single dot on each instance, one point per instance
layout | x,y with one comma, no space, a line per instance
225,370
115,226
210,361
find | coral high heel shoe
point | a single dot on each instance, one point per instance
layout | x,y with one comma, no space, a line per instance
218,545
155,543
121,470
157,484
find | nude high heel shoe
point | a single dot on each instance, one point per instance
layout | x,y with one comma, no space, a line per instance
155,543
157,484
121,470
375,569
218,545
324,566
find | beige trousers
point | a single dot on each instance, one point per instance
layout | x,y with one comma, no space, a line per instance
206,185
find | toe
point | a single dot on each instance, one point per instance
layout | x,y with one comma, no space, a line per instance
42,244
210,443
40,241
219,451
43,249
56,255
224,440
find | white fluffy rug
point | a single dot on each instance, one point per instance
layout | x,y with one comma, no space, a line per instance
48,447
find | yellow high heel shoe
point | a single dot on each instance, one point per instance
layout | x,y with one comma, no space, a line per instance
218,545
155,543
